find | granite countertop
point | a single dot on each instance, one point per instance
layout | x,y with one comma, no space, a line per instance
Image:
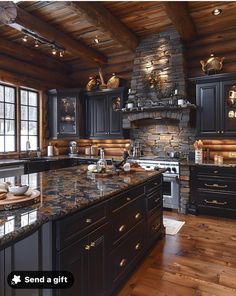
7,162
63,191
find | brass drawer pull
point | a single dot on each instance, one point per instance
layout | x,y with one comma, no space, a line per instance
155,227
123,262
215,202
137,216
215,172
122,228
155,183
137,246
128,198
93,244
87,247
215,185
88,220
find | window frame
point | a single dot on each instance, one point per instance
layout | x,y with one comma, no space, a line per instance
28,120
15,119
17,136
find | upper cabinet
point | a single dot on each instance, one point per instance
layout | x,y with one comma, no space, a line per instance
103,119
66,114
216,106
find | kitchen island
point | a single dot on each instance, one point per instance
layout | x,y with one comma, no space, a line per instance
97,228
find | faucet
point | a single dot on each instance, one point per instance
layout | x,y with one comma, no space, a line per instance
28,151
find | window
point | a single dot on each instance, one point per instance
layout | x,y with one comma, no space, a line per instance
26,105
7,118
29,119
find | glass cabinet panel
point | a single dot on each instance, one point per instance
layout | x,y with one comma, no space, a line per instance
67,115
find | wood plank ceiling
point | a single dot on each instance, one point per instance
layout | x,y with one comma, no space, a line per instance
136,18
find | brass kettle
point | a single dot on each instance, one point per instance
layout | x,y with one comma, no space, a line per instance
212,65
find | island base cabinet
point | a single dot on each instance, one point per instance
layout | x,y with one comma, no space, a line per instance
85,259
155,228
125,256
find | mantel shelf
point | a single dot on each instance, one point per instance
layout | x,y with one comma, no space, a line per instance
158,108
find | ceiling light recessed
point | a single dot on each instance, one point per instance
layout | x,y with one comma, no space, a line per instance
216,11
96,40
54,51
36,43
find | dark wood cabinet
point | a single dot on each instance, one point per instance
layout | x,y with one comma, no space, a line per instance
85,259
216,113
66,113
213,191
103,119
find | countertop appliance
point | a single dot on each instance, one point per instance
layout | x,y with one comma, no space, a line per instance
171,194
73,148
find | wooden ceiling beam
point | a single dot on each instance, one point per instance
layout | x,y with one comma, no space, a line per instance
24,80
33,23
35,57
102,18
53,77
179,15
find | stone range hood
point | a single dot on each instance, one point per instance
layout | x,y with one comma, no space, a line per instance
180,116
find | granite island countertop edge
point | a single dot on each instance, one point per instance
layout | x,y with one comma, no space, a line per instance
43,216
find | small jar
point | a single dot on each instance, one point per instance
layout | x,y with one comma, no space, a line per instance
216,157
88,150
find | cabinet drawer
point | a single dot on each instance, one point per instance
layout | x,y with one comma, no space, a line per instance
215,171
216,184
153,185
69,229
126,219
217,200
154,201
124,199
155,226
122,257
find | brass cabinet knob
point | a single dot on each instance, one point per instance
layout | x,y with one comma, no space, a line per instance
157,200
123,262
87,247
128,198
137,246
88,220
93,244
122,228
156,226
137,216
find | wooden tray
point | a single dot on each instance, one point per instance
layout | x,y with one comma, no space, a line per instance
17,201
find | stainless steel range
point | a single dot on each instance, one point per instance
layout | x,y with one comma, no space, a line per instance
171,195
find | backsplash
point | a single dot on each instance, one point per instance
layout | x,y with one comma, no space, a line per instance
225,148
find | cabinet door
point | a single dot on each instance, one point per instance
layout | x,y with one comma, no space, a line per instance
66,113
96,262
208,119
73,259
228,108
115,121
99,116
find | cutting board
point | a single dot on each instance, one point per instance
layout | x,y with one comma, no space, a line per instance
18,201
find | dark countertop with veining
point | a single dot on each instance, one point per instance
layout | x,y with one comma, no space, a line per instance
63,192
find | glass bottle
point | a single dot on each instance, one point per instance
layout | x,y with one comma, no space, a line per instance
102,163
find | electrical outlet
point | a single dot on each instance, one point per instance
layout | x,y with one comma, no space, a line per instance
232,154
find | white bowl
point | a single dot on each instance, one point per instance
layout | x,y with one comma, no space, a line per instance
18,190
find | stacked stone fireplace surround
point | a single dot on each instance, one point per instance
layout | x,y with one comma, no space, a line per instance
162,131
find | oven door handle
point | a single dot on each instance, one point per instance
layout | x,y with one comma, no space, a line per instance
171,179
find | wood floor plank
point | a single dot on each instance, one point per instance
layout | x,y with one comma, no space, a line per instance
199,261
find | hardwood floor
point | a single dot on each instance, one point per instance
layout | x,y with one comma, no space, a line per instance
199,261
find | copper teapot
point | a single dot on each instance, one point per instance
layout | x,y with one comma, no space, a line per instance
212,65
